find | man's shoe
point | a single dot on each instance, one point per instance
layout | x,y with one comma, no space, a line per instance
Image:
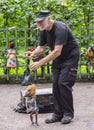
66,119
53,119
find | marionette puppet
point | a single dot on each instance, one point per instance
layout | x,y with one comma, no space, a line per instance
90,55
31,103
11,57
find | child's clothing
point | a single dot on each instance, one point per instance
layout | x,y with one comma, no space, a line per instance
11,61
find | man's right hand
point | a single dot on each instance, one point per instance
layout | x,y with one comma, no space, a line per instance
28,54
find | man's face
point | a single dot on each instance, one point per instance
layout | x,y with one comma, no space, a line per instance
43,24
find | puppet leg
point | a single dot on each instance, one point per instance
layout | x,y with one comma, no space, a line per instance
36,118
31,117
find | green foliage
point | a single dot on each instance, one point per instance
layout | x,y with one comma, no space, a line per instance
17,22
78,14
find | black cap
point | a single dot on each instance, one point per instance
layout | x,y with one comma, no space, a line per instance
42,15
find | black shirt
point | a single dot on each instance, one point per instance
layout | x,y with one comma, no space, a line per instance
60,34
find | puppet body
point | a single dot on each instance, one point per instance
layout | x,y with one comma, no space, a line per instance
31,103
11,61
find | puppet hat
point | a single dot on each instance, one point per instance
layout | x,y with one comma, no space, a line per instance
11,45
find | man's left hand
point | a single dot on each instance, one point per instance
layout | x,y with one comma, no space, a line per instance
34,66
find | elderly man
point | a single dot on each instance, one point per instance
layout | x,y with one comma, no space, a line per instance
64,56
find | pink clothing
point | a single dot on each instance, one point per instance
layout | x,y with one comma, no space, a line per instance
11,61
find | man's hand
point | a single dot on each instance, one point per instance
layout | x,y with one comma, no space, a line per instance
28,54
34,66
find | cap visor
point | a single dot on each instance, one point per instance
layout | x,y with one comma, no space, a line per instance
39,19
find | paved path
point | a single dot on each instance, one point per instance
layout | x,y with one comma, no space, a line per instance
83,104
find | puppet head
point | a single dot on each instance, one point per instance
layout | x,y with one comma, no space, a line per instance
11,45
32,49
32,89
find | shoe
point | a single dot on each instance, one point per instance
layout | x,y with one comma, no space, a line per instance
54,118
66,119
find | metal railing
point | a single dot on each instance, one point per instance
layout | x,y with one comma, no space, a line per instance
23,41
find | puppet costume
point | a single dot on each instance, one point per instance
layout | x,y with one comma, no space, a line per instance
31,99
90,55
11,61
31,105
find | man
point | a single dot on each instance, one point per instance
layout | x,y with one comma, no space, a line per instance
64,56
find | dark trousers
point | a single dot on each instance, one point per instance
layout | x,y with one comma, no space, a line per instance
64,77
